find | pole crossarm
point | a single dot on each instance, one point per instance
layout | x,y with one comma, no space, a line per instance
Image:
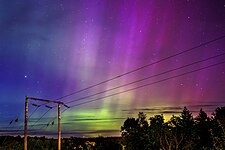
45,100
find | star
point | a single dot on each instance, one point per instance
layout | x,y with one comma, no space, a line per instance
25,76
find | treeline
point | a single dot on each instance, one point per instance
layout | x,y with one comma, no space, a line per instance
183,132
72,143
34,143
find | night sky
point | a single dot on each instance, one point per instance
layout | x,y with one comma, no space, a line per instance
52,48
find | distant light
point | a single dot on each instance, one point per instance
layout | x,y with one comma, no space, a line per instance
25,76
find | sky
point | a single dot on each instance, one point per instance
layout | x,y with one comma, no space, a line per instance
53,48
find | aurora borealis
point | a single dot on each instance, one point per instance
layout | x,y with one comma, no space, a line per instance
51,48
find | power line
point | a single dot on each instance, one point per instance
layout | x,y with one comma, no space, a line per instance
152,83
52,121
33,112
155,75
139,68
40,118
37,106
189,72
45,114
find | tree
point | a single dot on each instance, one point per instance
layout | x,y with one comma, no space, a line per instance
182,130
217,128
135,133
219,115
204,138
156,131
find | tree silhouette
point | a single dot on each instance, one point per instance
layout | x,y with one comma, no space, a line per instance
156,131
180,132
217,128
134,133
204,138
220,116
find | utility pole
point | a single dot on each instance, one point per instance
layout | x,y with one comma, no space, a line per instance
26,118
59,130
25,123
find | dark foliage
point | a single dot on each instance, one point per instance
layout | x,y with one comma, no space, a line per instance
180,132
42,143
